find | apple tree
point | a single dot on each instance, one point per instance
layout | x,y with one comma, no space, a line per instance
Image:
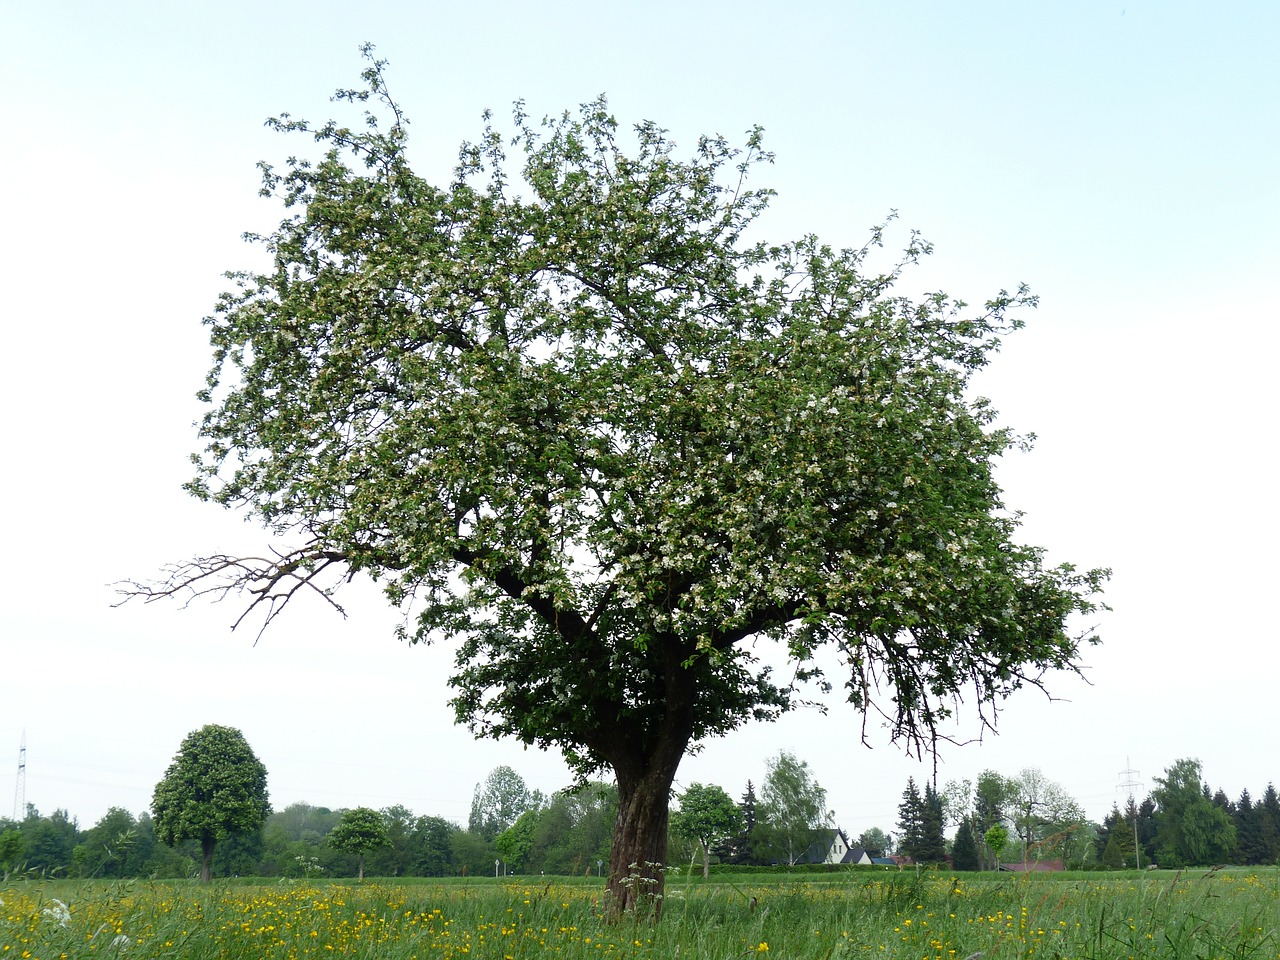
571,410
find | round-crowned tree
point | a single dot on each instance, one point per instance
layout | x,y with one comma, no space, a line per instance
216,786
360,831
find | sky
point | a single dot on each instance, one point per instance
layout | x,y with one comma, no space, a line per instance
1120,157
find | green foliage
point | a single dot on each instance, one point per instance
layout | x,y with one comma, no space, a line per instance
707,814
11,850
215,787
359,831
932,847
875,841
792,807
471,855
114,847
1048,820
997,838
515,843
1190,829
964,849
574,829
499,802
592,431
1119,850
432,847
49,842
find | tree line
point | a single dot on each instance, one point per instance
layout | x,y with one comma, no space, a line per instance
1029,819
992,822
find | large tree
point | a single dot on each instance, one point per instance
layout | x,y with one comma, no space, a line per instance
572,410
215,787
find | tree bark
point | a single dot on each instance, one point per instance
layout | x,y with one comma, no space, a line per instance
206,868
645,759
637,860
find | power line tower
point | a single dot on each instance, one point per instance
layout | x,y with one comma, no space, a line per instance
1130,783
20,787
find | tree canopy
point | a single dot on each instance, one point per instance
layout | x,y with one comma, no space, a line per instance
214,788
570,411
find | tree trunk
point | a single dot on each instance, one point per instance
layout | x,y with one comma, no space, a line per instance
644,757
206,868
360,869
706,861
637,861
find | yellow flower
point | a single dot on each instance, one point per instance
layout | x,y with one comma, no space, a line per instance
763,948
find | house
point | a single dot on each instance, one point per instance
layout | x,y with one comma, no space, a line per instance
832,846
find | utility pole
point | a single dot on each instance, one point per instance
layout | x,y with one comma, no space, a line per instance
1130,782
20,787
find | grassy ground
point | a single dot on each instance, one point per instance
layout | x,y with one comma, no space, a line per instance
934,916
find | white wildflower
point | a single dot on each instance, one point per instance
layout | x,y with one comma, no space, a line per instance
58,913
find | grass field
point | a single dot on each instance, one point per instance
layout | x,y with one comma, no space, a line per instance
936,916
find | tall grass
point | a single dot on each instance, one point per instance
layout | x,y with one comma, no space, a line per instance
932,916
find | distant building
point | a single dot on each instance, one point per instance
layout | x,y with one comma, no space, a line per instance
832,846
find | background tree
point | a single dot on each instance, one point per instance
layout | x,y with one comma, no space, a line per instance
707,814
114,847
12,853
964,849
1190,829
396,858
990,797
574,829
737,848
360,831
1269,825
1121,849
49,843
215,787
1045,817
910,820
792,808
876,842
609,443
996,837
516,843
932,847
433,852
499,802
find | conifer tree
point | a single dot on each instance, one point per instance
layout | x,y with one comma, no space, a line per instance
964,850
911,821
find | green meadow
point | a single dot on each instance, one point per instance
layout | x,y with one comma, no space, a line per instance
935,916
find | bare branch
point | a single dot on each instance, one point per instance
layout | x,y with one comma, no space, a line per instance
271,581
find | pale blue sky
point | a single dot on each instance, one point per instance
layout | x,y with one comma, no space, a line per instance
1121,157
